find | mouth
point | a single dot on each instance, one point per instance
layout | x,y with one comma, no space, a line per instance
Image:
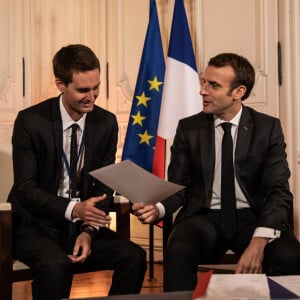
86,103
206,102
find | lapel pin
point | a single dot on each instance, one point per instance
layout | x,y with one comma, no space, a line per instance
245,128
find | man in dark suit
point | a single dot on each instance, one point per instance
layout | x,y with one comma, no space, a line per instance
60,213
257,229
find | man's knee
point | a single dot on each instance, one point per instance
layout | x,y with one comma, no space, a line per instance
134,254
282,260
53,265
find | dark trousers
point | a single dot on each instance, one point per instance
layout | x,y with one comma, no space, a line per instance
198,240
45,253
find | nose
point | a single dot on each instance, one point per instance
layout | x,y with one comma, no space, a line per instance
91,95
203,89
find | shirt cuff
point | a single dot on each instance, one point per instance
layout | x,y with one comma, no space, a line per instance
68,212
269,233
161,210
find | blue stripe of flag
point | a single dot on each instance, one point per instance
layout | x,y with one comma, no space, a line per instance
180,47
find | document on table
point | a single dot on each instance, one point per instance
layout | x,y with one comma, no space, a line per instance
135,183
237,286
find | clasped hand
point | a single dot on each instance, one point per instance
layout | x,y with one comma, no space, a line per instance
89,213
145,213
81,249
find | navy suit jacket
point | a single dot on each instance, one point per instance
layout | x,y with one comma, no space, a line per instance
37,161
260,164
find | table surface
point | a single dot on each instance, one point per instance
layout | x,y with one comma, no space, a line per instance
156,296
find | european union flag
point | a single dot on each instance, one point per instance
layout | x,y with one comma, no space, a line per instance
141,133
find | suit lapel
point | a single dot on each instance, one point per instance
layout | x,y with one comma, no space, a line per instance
89,134
207,150
244,136
57,127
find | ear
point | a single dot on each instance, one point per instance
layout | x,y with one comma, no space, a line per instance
60,85
239,92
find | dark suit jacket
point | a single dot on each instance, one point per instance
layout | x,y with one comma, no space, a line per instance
260,165
37,160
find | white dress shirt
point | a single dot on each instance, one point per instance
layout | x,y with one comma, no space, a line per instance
64,184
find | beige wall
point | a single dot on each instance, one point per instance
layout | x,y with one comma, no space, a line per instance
32,30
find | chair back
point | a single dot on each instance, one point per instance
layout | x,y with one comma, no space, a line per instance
6,170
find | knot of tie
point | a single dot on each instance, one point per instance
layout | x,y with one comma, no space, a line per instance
74,127
226,127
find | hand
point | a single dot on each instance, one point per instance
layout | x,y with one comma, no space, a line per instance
82,248
145,213
252,258
89,213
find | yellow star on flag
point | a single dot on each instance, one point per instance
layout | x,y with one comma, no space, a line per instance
145,137
137,119
154,84
143,99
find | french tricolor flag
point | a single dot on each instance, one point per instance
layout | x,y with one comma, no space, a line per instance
180,96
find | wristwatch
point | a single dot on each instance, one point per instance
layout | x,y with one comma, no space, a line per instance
88,229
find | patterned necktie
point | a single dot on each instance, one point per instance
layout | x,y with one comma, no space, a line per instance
73,161
228,200
73,173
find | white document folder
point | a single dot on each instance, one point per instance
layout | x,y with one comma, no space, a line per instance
135,183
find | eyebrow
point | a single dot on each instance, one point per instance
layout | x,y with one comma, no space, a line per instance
211,82
84,89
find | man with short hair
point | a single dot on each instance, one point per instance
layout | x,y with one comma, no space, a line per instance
243,206
60,212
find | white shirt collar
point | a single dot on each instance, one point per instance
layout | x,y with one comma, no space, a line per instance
235,121
67,121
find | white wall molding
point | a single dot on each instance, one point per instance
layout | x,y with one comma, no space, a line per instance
289,36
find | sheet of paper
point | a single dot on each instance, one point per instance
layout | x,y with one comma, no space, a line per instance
291,282
135,183
237,286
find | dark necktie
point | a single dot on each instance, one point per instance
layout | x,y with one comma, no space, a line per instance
73,173
73,161
228,200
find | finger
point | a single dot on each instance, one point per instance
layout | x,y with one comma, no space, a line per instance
94,215
76,249
148,210
146,220
151,211
150,215
71,258
96,212
149,219
99,224
238,269
78,259
96,220
246,270
98,199
137,206
74,259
